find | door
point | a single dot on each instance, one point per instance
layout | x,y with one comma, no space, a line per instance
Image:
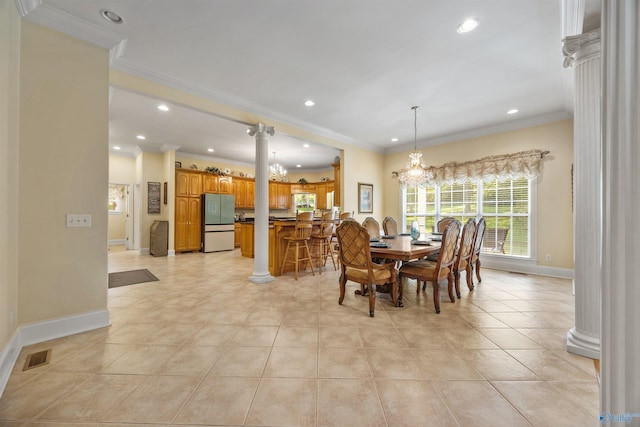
227,209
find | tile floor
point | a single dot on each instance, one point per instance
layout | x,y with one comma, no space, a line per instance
204,346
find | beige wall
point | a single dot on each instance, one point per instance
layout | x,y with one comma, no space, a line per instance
554,224
121,171
63,169
9,84
151,168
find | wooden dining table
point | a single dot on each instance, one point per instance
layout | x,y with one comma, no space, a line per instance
403,248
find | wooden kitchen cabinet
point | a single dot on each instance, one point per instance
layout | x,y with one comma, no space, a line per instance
237,235
321,195
279,195
336,184
212,183
246,242
225,185
188,226
244,191
188,183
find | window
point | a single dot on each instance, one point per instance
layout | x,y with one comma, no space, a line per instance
117,199
505,206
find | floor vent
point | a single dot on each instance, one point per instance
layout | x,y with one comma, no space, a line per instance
37,359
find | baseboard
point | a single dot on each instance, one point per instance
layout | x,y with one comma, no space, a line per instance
525,266
171,252
44,331
8,358
145,251
117,242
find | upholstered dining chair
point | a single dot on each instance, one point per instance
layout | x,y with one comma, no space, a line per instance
442,224
299,241
390,226
321,248
430,271
463,257
477,247
372,226
356,264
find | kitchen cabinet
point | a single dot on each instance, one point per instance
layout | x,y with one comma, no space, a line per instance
237,235
279,195
188,225
246,240
321,195
244,192
188,183
216,184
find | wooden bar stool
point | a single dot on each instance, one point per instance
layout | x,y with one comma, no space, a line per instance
321,241
299,241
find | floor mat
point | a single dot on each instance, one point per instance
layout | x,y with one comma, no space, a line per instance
132,277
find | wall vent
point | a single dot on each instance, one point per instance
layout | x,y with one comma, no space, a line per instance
37,359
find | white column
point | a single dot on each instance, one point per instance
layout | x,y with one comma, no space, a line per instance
583,53
620,364
261,225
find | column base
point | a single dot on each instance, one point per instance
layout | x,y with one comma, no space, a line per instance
261,278
583,345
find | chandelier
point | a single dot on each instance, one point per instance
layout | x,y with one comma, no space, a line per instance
276,171
414,173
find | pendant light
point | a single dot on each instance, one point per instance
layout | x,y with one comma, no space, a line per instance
414,173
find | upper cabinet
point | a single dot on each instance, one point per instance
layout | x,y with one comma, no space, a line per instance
188,184
216,184
244,191
336,184
279,195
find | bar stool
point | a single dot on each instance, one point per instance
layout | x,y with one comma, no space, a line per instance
321,241
299,241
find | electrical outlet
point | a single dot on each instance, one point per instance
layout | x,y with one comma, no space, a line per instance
78,220
547,257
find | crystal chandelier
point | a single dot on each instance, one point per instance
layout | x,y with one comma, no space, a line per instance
276,171
414,173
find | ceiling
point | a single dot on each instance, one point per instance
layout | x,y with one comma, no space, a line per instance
364,63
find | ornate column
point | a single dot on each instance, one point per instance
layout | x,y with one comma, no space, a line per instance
582,52
620,365
261,225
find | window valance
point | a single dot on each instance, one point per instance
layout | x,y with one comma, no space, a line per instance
501,167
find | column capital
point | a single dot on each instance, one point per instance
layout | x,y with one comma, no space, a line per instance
573,45
261,128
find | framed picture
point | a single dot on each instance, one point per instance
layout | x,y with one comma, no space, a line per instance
153,197
178,165
365,198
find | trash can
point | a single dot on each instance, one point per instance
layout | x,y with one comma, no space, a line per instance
159,244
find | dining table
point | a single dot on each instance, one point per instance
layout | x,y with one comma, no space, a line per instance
402,248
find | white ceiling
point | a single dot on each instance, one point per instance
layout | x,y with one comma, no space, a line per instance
364,63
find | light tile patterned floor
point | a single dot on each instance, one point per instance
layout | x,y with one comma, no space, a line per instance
204,346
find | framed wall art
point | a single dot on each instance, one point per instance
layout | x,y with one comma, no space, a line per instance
365,198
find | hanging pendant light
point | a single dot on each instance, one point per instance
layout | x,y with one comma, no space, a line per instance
276,171
414,173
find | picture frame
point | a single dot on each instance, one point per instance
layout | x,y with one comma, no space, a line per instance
153,198
166,192
178,165
365,198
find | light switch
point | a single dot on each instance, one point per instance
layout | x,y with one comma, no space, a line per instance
78,220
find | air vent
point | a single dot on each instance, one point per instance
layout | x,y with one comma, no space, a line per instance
37,359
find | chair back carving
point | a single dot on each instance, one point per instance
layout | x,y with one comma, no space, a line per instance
465,250
354,252
442,224
372,226
447,255
345,215
390,226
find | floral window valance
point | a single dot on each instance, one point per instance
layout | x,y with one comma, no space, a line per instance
501,167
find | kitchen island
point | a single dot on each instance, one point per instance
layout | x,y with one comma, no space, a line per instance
279,228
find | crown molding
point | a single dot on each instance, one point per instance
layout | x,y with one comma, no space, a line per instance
72,25
169,147
484,131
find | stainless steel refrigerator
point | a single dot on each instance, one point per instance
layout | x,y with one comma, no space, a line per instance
218,222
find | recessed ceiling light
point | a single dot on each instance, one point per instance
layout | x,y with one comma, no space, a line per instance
298,166
512,111
309,103
163,107
142,137
468,25
394,139
115,147
111,16
306,145
210,150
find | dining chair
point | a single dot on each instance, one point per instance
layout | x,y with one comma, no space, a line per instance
372,226
390,226
356,264
464,254
442,224
430,271
477,247
346,215
321,248
299,241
